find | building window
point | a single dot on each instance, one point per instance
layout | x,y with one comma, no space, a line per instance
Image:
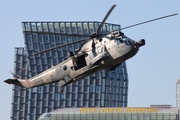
28,37
41,46
58,39
91,88
74,88
86,103
86,88
68,103
92,81
102,99
117,90
98,88
56,96
91,103
97,96
74,96
98,82
97,103
30,46
124,77
111,83
103,88
80,89
79,103
39,89
80,96
73,103
107,89
79,28
86,95
63,96
68,88
91,96
124,90
107,103
35,40
86,81
68,96
103,74
110,89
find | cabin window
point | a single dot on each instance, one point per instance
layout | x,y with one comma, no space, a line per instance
79,62
64,68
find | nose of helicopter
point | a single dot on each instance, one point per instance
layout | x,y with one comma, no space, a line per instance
135,48
141,42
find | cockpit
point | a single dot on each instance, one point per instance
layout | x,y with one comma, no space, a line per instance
121,38
127,40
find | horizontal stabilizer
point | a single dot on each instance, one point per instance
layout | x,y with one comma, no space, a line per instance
13,81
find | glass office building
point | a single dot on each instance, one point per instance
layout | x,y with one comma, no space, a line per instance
113,113
19,94
97,90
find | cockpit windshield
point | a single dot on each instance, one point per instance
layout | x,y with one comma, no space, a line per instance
125,39
121,38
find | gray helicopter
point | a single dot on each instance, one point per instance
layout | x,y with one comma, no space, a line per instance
98,52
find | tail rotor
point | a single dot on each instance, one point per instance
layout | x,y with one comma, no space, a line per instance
16,76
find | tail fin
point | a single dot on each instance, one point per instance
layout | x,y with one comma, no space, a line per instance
14,81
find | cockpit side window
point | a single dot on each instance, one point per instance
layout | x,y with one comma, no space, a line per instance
125,38
118,41
121,38
64,68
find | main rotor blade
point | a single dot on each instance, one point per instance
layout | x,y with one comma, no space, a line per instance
104,20
65,34
60,46
149,21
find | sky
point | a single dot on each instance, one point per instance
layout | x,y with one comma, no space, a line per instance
152,73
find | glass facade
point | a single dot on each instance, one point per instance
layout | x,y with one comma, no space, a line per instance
97,90
20,95
122,114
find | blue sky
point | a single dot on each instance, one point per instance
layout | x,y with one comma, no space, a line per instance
153,72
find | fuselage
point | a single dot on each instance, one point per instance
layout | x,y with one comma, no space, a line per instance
94,55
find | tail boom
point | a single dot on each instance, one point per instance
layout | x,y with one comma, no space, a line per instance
17,82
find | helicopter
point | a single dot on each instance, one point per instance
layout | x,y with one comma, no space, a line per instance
99,51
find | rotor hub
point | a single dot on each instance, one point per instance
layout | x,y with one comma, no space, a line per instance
93,35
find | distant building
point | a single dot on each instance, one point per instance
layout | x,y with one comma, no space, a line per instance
114,113
97,90
178,94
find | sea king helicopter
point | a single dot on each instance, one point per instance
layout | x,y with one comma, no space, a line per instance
99,51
